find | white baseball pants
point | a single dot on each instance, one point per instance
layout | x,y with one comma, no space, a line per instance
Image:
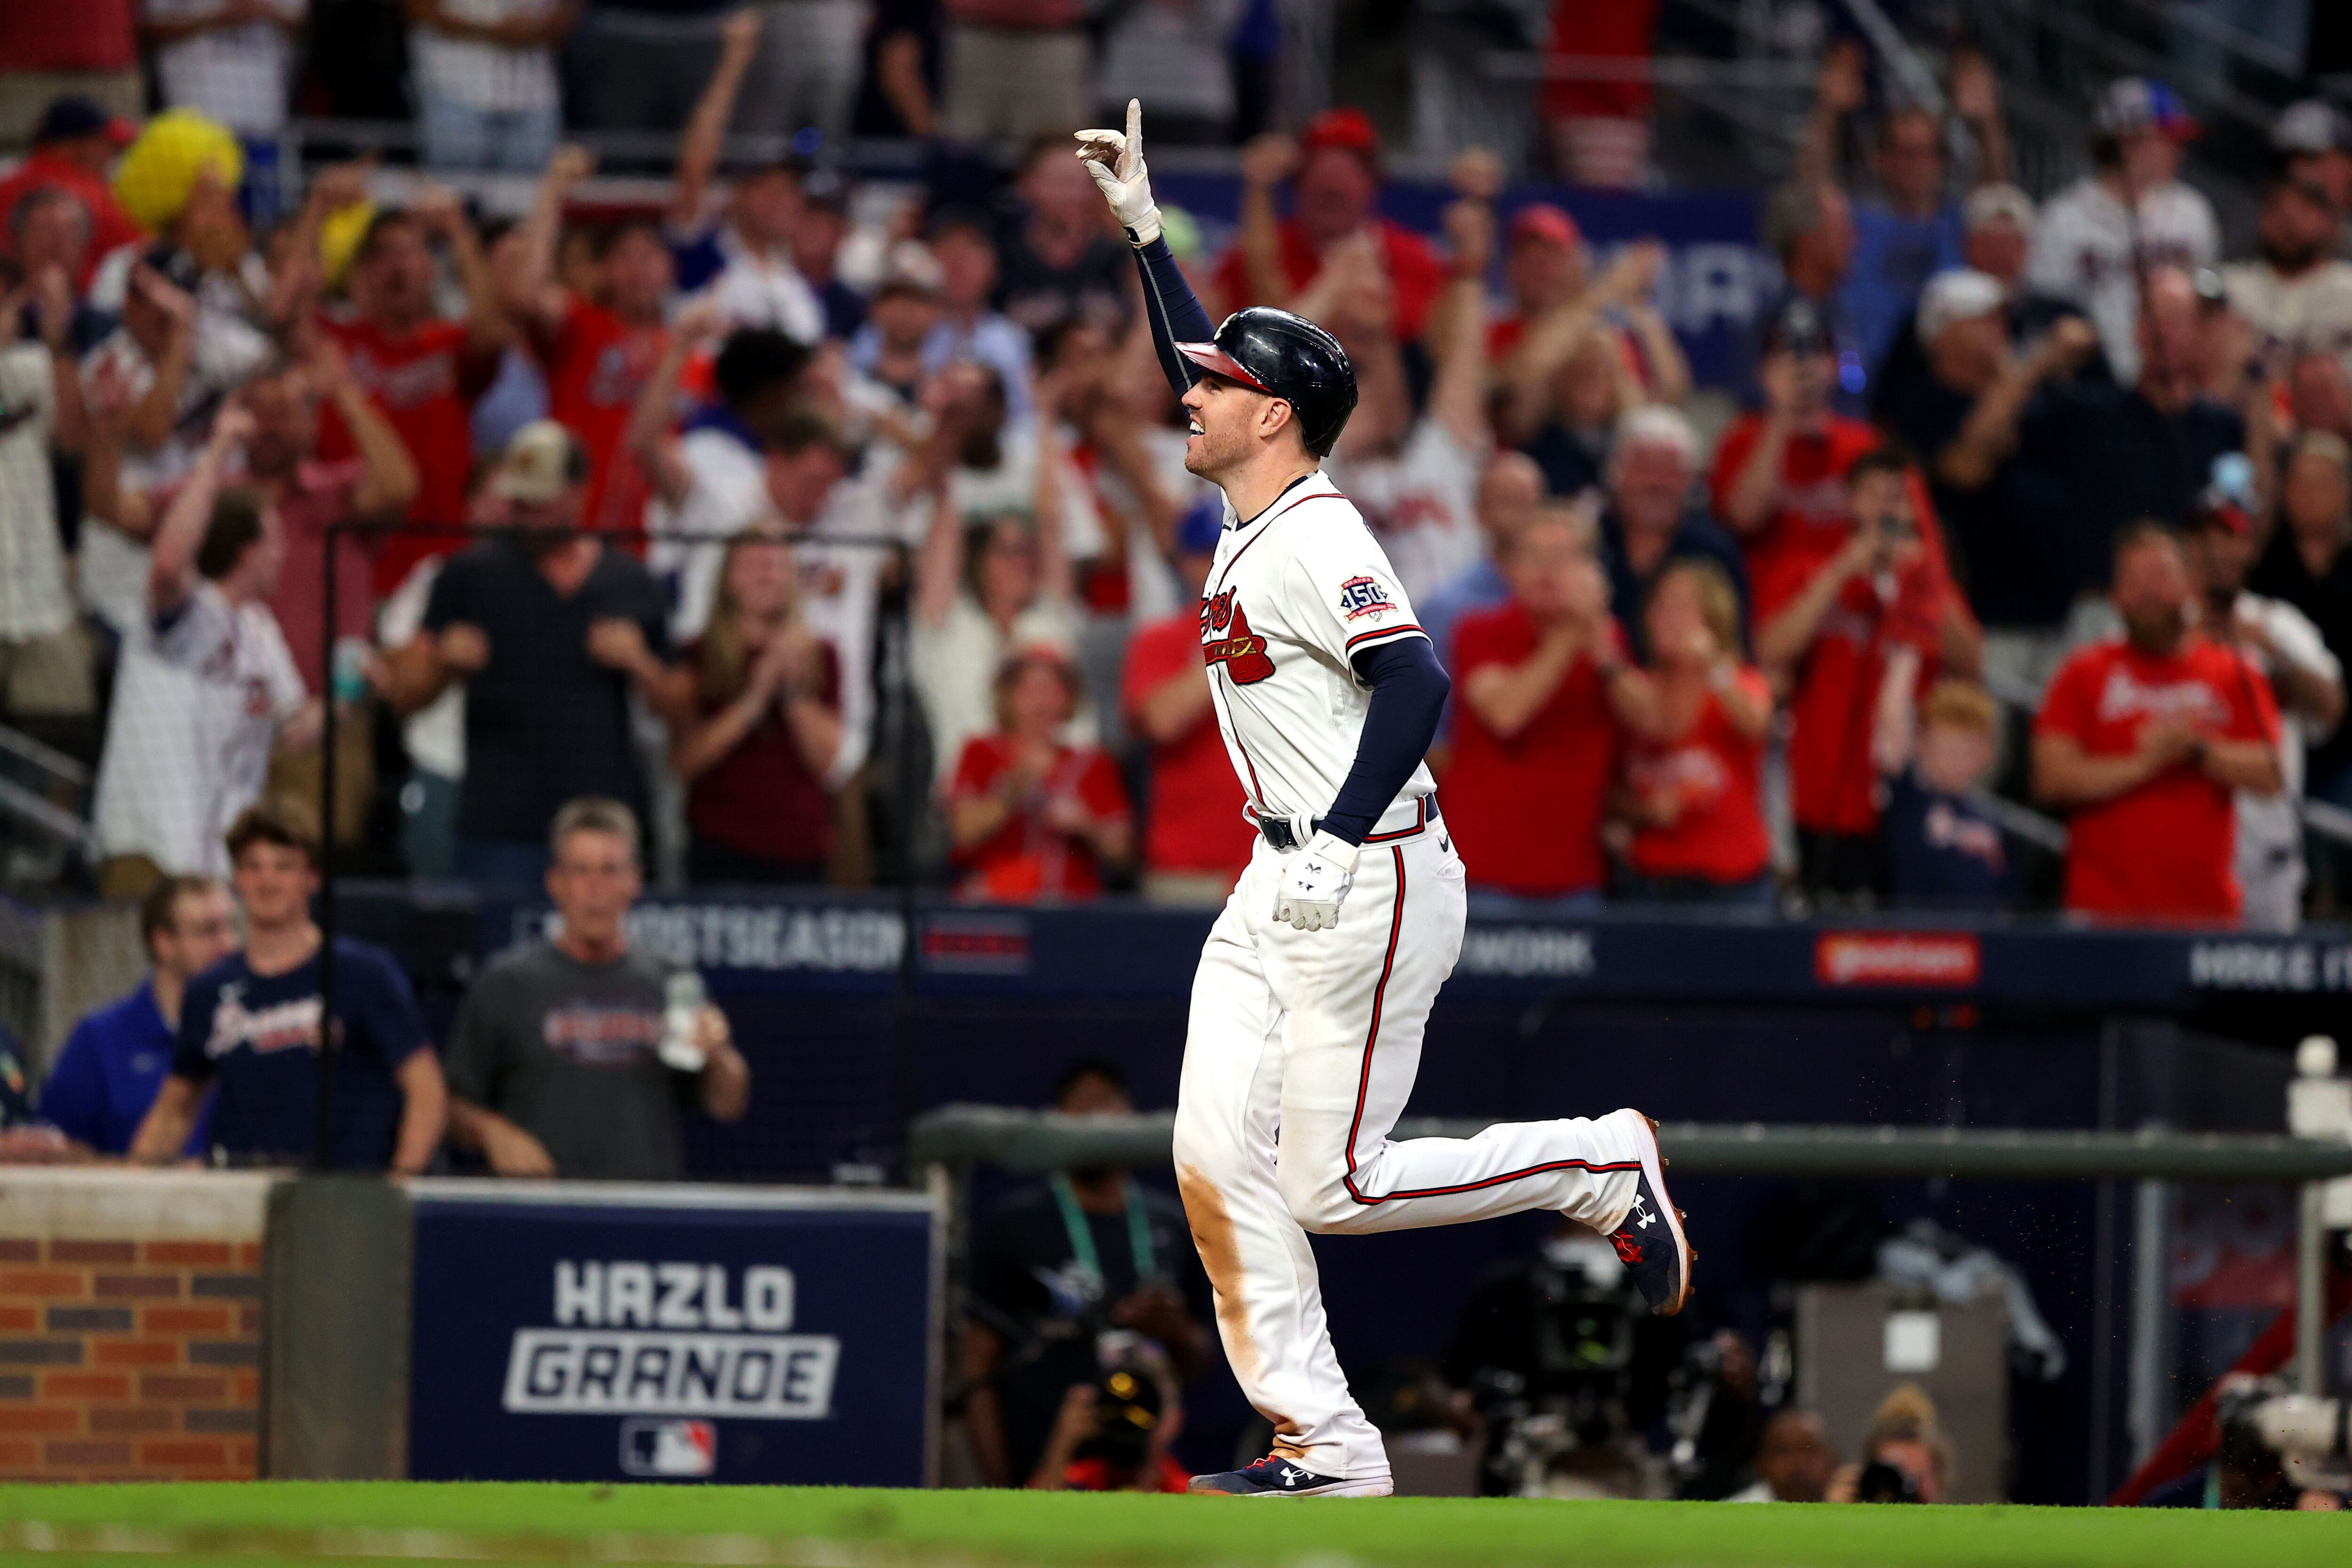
1301,1054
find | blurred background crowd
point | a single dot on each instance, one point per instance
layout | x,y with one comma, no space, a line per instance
793,467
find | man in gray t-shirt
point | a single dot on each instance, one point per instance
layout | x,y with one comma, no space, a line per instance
556,1066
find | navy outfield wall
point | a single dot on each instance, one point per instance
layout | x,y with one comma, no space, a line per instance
1910,1023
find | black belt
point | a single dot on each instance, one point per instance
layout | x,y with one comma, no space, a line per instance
1285,838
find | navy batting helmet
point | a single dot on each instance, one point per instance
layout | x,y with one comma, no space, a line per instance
1288,357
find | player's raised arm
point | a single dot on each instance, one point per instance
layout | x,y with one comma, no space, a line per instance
1115,159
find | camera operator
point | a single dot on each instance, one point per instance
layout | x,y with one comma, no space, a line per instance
1112,1435
1906,1456
1559,1356
1066,1276
2257,1432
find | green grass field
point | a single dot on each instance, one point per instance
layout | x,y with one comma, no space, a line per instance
276,1522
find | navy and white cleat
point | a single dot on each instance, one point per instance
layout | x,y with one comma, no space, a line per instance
1651,1242
1275,1475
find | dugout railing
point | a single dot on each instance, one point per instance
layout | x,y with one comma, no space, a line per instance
952,1140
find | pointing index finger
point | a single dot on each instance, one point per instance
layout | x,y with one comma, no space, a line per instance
1135,129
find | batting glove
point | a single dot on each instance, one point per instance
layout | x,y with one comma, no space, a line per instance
1315,881
1116,161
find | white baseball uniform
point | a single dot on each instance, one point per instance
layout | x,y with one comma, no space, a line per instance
1303,1046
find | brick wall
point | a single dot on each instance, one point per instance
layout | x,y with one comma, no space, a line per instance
130,1325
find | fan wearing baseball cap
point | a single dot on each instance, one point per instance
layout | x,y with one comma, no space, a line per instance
73,143
2130,214
1334,170
2296,290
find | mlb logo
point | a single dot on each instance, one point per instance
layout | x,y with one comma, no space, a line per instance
668,1447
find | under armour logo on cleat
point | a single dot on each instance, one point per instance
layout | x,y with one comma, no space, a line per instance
1291,1478
1642,1215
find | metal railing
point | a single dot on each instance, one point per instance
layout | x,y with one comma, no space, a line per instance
959,1136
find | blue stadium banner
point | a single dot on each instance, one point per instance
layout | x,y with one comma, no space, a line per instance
790,943
614,1331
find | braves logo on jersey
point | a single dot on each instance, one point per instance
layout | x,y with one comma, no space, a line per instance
1227,640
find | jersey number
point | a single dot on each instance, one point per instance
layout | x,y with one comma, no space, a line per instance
1242,653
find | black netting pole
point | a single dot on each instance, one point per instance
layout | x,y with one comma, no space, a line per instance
322,1147
907,787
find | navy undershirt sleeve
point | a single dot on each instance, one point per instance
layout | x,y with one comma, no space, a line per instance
1175,313
1409,688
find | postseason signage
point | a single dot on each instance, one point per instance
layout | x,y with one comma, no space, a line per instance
600,1331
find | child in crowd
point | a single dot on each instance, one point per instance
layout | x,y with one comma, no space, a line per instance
1942,846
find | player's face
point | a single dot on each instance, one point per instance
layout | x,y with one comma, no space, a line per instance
203,931
274,882
593,881
1223,419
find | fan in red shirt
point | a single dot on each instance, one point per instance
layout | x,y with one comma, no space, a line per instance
1883,601
1694,759
598,351
423,371
1535,741
72,146
2146,740
1196,841
1334,193
1030,816
1779,474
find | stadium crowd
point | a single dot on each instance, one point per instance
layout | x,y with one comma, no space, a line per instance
2049,499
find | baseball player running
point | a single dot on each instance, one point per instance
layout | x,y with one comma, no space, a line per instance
1305,1029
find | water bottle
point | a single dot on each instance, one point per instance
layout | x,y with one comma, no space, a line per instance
683,999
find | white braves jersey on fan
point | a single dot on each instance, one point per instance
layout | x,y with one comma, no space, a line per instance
198,701
1293,596
2083,252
